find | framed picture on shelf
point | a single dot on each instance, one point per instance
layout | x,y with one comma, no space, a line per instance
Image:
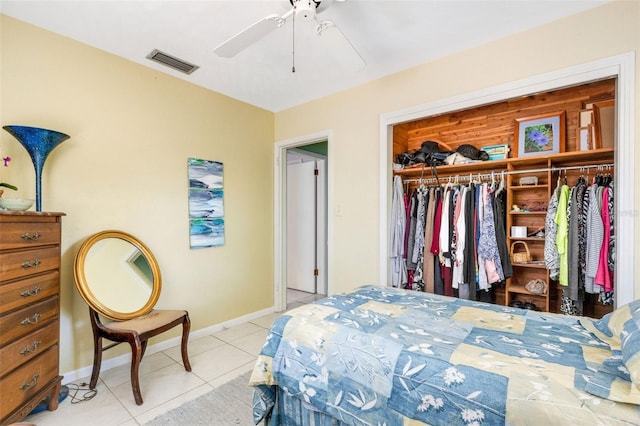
586,117
585,138
603,124
541,134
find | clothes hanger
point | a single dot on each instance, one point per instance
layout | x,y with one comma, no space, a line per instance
501,185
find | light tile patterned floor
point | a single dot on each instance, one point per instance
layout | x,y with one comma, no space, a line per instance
215,359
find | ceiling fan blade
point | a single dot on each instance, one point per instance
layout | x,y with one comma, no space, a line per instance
345,52
249,35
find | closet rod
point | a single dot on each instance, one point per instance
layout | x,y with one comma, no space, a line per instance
558,169
511,172
590,166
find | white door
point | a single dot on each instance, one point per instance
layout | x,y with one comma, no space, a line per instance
301,226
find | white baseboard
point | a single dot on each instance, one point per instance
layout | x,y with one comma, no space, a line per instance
85,372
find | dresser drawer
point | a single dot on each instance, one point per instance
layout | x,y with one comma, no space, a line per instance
20,385
22,263
17,294
24,235
27,348
27,320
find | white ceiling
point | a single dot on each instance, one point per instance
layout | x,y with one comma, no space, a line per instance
390,35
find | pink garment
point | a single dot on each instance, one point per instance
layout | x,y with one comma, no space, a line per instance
603,275
435,241
492,272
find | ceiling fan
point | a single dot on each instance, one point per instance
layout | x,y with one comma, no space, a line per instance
304,10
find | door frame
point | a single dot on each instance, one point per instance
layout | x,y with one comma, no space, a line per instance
280,212
622,67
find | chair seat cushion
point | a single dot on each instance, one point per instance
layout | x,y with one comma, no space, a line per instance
147,322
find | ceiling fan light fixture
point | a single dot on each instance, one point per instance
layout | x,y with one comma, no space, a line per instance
305,9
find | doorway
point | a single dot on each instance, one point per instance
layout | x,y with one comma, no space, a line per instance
306,223
301,222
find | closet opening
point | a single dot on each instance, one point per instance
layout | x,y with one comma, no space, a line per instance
406,130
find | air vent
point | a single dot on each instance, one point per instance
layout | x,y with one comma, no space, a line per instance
171,61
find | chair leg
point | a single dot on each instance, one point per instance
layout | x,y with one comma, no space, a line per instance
186,326
136,357
97,360
144,348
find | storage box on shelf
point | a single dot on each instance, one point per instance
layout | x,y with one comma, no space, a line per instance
29,312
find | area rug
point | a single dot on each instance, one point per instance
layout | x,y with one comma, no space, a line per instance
229,404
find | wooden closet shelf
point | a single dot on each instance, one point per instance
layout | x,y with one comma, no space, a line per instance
535,265
522,290
542,212
563,159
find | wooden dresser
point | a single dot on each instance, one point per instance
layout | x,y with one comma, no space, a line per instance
29,312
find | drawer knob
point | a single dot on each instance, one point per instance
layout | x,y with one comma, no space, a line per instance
31,237
26,264
33,320
28,349
28,292
27,384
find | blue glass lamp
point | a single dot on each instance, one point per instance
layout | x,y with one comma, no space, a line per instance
38,143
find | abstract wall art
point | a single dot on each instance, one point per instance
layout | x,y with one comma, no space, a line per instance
206,203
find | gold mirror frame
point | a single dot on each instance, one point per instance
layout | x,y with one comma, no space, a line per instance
83,285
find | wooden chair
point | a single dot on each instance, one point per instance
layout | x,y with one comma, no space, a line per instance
119,278
136,332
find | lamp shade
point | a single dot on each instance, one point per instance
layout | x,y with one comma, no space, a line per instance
38,143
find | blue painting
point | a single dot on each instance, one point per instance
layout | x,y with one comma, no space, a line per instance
206,203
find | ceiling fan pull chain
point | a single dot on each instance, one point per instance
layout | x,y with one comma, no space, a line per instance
293,41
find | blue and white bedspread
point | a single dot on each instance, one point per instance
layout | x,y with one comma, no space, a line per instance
384,356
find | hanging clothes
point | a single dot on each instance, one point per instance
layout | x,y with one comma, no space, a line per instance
612,238
593,240
447,230
418,249
607,296
603,275
396,237
573,294
445,240
428,260
551,255
438,286
488,245
413,212
562,231
469,265
500,229
460,231
483,282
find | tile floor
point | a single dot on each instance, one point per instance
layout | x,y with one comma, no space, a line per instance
215,359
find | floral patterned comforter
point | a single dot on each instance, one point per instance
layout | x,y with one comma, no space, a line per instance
384,356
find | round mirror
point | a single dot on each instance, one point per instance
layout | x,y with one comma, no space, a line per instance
117,275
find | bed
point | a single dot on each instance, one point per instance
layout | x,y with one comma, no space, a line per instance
385,356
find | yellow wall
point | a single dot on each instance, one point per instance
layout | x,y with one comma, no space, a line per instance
125,167
354,115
